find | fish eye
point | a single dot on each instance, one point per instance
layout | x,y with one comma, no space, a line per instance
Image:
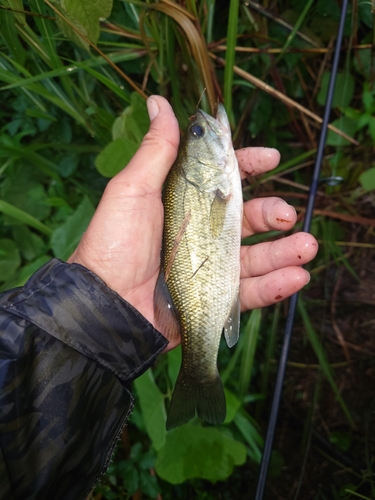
197,131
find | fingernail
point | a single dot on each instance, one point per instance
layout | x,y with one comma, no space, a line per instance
153,108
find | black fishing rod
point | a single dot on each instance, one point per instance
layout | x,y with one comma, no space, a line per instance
293,300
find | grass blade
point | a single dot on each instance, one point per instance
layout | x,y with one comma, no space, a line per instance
249,340
323,361
24,217
229,56
295,29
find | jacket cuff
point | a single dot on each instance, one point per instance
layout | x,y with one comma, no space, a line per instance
76,307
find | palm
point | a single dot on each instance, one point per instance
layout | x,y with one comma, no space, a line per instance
122,245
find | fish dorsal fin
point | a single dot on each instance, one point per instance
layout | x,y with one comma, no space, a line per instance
232,324
166,316
217,213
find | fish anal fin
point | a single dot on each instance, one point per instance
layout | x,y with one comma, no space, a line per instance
232,324
166,316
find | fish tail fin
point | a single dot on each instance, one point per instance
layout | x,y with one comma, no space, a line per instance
207,399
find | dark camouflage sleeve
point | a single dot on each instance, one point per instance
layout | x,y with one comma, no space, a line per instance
69,348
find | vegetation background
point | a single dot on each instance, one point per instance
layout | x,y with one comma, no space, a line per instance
74,76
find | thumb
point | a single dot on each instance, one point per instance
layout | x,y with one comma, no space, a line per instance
151,163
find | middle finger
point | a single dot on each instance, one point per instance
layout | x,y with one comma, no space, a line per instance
294,250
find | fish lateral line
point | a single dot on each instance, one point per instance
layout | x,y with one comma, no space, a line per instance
176,244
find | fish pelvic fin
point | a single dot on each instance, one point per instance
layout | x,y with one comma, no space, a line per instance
166,316
191,397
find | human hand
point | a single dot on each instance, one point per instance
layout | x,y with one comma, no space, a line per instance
123,241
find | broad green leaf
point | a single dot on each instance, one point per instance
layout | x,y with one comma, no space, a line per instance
10,258
136,452
368,98
65,238
148,484
147,460
152,404
134,122
366,13
347,125
344,90
233,405
65,23
174,363
20,277
85,17
367,179
115,157
30,244
68,164
130,477
23,191
363,63
192,451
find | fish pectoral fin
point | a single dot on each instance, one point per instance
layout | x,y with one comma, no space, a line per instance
217,214
166,316
232,324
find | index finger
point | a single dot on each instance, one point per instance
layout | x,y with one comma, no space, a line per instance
255,161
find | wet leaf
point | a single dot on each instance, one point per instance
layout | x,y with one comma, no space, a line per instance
152,404
115,157
347,125
148,484
68,164
367,179
20,277
24,192
233,405
344,90
192,451
10,258
85,17
65,238
30,244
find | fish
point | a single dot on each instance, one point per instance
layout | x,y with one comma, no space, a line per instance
197,291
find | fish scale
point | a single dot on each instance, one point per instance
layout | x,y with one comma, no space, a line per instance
197,291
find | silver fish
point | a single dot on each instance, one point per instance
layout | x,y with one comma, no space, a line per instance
197,294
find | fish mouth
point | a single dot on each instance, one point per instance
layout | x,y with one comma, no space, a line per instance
220,124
